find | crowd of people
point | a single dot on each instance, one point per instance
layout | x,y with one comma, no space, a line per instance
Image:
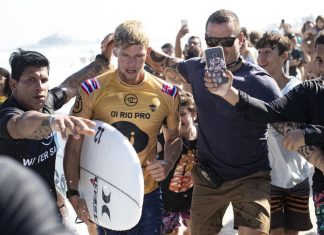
247,142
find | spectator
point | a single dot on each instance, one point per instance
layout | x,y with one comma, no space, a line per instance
5,90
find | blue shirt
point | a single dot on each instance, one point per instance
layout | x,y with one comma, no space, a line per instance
232,145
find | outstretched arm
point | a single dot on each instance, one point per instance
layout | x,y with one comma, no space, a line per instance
36,125
101,64
312,154
167,65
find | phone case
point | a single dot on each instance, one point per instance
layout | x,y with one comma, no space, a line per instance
184,22
216,64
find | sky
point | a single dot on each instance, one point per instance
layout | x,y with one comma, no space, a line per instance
24,23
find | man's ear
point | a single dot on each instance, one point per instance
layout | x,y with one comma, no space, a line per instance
285,55
115,51
241,39
194,116
148,51
13,84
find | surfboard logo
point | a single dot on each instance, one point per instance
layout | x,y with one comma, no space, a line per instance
170,90
90,85
105,198
94,182
130,100
104,208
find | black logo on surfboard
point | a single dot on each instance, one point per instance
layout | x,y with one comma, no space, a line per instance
104,208
94,182
105,198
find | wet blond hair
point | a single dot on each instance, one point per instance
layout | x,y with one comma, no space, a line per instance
130,33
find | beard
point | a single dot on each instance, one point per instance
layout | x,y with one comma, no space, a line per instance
194,52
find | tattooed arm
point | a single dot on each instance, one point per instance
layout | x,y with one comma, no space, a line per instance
101,64
167,65
284,127
312,154
72,84
36,125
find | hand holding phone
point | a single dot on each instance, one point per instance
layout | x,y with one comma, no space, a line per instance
216,65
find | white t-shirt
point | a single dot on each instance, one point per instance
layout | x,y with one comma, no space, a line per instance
288,167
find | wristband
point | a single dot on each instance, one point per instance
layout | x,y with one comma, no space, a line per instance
72,192
103,58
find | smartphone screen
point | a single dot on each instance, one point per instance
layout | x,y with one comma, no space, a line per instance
216,65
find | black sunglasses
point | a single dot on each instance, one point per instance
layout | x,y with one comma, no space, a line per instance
225,42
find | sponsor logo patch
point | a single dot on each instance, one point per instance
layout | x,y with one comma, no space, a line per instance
130,100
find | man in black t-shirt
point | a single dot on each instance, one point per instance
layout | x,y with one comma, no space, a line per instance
24,204
27,122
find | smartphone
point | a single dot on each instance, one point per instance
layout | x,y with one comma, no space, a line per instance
216,65
184,22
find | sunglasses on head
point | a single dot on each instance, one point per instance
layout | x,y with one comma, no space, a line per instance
225,42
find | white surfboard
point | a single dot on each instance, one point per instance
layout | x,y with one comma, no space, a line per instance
111,179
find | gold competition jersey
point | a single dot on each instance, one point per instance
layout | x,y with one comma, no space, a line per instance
137,111
3,99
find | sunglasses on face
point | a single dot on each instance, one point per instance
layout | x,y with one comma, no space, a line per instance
225,42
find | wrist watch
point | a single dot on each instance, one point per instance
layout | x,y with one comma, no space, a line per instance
72,192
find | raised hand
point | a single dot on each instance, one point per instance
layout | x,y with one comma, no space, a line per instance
107,45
